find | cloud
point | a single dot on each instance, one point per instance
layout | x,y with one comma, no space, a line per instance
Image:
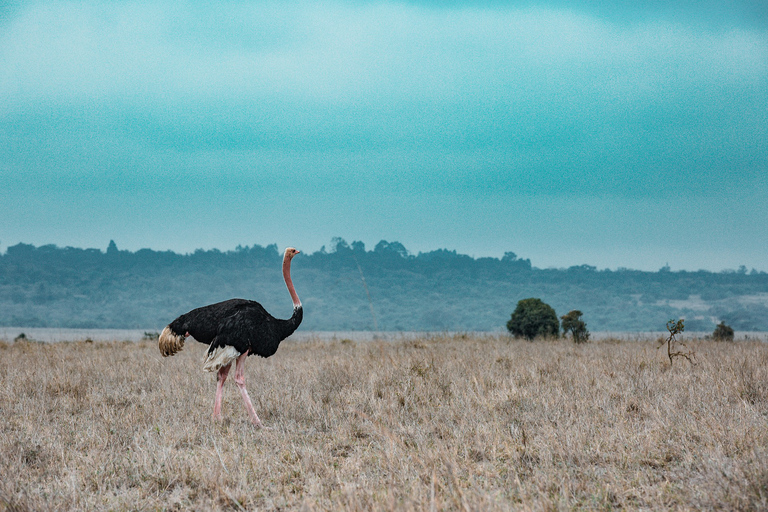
539,97
342,53
712,13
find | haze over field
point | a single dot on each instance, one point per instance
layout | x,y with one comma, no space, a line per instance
628,135
350,288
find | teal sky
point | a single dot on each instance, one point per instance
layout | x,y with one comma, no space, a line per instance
631,135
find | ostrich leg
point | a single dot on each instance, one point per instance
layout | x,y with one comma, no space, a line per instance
240,381
223,372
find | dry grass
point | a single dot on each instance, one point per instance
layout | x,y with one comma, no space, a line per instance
445,423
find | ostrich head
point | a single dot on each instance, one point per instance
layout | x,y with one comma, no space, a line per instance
290,252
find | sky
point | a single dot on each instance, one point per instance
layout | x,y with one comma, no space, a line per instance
616,134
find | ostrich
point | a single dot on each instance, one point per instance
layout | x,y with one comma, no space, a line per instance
234,329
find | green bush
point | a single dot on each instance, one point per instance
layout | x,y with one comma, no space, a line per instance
533,318
723,332
573,323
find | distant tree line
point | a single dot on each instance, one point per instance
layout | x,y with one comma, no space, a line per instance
347,287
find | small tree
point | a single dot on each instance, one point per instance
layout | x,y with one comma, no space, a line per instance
675,328
573,323
723,332
533,318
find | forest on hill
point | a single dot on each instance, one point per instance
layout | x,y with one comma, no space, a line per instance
350,288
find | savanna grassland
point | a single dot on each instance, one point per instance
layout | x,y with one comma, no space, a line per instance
444,423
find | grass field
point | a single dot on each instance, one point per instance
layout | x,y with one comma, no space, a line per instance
451,423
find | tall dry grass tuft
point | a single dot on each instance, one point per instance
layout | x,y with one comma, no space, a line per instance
456,423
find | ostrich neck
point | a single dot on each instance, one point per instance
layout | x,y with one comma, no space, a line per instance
289,282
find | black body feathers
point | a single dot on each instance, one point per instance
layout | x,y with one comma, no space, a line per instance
239,323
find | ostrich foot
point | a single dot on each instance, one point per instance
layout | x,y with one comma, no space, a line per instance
261,425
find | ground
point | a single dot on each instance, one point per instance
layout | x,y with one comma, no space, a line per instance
441,423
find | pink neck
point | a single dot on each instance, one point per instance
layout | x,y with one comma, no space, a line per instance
288,282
